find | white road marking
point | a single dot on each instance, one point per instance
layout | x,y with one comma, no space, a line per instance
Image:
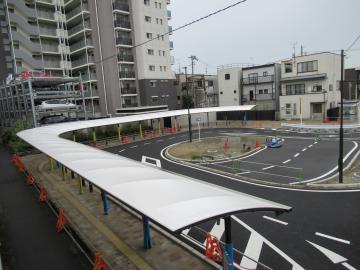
161,140
297,154
252,183
331,171
134,146
333,238
217,230
334,257
258,151
276,220
147,143
172,138
286,161
242,173
310,146
253,250
157,161
182,136
295,265
348,266
304,149
186,231
315,142
272,166
122,150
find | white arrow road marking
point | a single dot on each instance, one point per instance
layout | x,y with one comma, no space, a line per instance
334,257
333,238
157,161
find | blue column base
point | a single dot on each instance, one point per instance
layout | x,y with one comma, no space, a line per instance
147,236
105,202
229,253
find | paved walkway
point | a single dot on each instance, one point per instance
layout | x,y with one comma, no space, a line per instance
28,237
119,235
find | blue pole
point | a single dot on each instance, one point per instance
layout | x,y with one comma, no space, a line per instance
147,237
105,202
228,243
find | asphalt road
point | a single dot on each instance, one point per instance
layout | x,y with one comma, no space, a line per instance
322,231
28,237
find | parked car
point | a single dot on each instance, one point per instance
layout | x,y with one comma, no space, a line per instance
53,119
56,104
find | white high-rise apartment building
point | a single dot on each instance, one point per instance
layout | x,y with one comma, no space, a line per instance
93,39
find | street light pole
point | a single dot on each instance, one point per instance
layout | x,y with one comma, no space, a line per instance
341,141
188,105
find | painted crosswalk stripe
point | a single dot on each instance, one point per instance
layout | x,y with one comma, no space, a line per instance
253,250
217,230
276,220
286,161
268,167
333,238
296,155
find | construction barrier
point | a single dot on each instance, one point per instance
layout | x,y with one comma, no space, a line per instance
43,195
99,263
61,221
30,180
213,248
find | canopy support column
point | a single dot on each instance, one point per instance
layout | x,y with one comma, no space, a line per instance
119,133
140,131
105,202
94,135
228,243
147,236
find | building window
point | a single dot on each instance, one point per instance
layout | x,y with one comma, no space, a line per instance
288,67
235,91
331,87
150,52
266,91
317,108
163,53
160,5
295,89
227,76
288,108
265,73
161,21
152,68
261,92
149,35
253,77
309,66
317,88
156,4
148,19
147,2
210,83
157,20
221,93
161,68
164,68
152,83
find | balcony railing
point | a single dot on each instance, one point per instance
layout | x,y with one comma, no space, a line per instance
45,15
52,64
127,74
121,6
123,41
77,10
129,91
81,44
125,58
130,105
79,27
122,24
48,31
49,48
82,61
258,80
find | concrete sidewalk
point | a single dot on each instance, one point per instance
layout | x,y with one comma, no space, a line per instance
119,235
28,237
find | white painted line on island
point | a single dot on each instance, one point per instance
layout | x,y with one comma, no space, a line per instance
147,143
242,173
333,238
304,149
134,146
276,220
272,166
332,256
310,146
297,154
122,150
286,161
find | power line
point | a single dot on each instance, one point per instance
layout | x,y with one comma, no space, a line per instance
353,43
181,27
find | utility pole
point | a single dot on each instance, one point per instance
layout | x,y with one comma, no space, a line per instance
193,59
188,105
341,141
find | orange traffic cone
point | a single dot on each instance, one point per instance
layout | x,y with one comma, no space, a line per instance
257,144
62,221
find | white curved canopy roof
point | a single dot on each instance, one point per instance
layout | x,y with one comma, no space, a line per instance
174,202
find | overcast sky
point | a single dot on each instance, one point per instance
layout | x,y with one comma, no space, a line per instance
262,31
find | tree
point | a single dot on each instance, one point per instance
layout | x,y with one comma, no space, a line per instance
10,139
187,102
